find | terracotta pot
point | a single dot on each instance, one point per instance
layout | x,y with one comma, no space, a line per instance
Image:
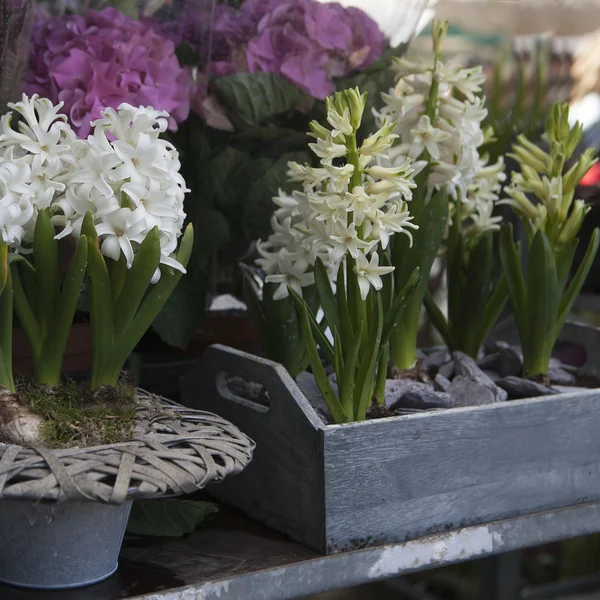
159,367
78,353
231,328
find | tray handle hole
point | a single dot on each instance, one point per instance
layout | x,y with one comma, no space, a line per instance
243,391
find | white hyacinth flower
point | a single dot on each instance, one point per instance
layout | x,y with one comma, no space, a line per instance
426,137
447,130
369,273
340,215
128,177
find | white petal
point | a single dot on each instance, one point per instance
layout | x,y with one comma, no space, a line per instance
110,247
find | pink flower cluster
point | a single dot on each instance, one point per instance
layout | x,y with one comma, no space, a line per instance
309,42
305,41
102,59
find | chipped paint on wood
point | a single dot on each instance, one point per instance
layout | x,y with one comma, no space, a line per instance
437,550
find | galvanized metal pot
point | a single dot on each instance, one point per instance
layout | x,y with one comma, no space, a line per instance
59,546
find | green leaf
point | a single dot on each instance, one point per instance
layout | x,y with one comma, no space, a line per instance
564,262
137,280
284,139
4,265
542,305
567,301
256,97
48,369
254,307
151,306
331,400
493,309
127,7
427,241
317,330
511,265
232,171
101,312
45,254
118,275
366,372
343,311
338,356
473,296
212,230
284,339
181,316
6,334
24,313
394,314
348,377
326,296
439,320
168,518
257,206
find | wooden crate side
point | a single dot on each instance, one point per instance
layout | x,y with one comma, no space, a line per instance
283,484
402,478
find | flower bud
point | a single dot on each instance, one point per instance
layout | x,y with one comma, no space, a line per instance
318,131
526,158
574,222
558,158
577,172
567,200
534,150
573,139
520,201
439,32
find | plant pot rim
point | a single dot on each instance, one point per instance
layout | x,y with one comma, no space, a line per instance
174,450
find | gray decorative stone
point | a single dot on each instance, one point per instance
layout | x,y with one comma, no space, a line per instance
518,387
447,370
466,367
441,383
505,361
469,393
495,377
405,393
432,362
560,376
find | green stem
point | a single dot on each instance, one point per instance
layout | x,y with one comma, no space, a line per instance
403,352
382,370
6,332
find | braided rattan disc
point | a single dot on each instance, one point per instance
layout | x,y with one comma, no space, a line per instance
174,451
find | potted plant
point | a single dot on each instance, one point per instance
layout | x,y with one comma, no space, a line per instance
74,455
384,441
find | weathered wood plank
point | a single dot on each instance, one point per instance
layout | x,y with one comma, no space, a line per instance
401,478
283,485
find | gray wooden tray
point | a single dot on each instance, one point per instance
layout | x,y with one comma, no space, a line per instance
341,487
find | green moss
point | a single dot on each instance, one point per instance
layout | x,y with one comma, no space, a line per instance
76,416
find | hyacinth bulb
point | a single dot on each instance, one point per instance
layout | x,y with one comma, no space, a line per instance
15,31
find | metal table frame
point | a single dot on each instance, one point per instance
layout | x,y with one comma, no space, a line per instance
237,559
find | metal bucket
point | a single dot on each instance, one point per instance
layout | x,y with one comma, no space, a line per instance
59,546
